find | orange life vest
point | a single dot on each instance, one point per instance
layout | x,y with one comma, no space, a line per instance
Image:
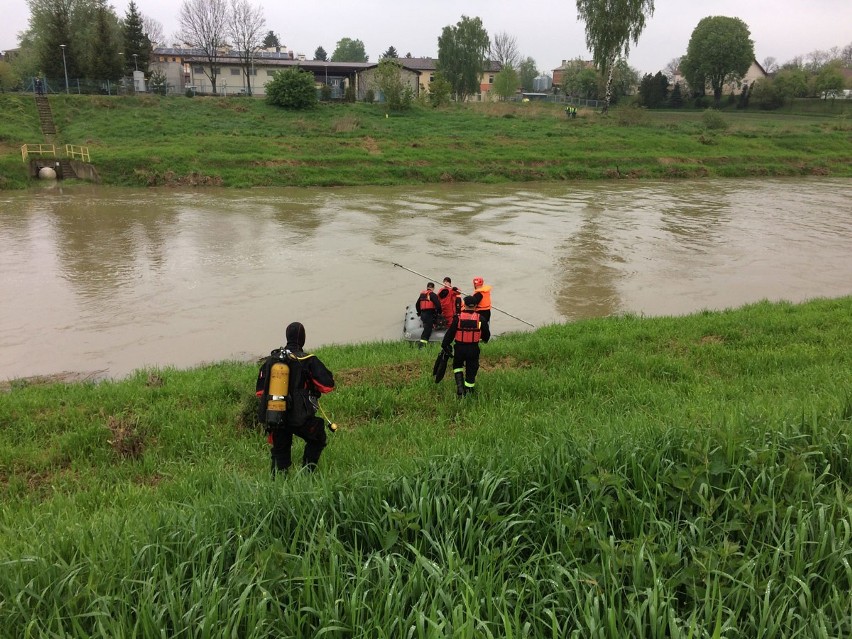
468,331
448,303
426,303
485,304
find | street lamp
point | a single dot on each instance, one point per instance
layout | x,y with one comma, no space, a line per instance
135,66
64,66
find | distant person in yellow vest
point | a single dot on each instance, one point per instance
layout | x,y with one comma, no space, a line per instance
482,298
466,331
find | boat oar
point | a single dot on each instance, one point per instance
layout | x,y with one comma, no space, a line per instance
434,279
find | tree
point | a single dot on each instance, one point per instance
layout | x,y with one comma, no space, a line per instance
770,65
439,91
527,73
676,99
104,62
136,42
245,24
611,25
846,55
461,56
579,80
790,83
153,29
672,68
830,81
388,79
270,40
9,80
766,94
506,83
349,50
653,90
203,26
504,50
720,51
293,88
390,53
320,54
623,80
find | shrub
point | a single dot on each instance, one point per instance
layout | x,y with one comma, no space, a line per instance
370,96
713,120
292,89
349,94
325,93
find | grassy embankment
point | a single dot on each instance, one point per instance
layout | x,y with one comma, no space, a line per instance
620,477
239,142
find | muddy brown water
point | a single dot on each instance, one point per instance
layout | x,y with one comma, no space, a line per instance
109,280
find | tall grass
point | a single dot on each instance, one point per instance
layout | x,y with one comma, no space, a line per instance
622,477
176,141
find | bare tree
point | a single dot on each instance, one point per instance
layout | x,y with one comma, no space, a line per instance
816,60
504,49
245,27
672,68
203,26
154,30
770,64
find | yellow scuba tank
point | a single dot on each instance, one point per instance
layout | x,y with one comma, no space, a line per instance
279,383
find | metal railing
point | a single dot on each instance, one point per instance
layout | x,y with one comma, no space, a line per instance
73,151
38,149
77,152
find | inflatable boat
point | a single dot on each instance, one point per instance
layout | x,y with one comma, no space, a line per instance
412,327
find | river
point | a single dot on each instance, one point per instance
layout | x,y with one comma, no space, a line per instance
110,280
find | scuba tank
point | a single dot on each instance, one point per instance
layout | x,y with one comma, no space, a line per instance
279,386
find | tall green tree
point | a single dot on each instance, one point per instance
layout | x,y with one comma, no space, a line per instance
349,50
136,40
320,54
611,25
462,51
390,53
720,51
103,61
527,73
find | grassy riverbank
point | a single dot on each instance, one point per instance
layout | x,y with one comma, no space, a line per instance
240,142
621,477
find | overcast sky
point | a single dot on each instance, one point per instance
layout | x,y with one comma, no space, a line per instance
546,30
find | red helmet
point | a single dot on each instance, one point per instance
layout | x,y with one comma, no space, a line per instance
477,282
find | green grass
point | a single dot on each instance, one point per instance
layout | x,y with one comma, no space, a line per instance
620,477
239,142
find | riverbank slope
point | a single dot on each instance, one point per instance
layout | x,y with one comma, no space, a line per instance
646,475
241,142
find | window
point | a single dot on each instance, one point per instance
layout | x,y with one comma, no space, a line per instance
198,69
431,77
270,72
490,79
235,71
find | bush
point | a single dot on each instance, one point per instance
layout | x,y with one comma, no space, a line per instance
325,93
370,96
190,93
349,94
713,120
292,89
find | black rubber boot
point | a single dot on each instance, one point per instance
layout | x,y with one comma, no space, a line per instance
459,384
